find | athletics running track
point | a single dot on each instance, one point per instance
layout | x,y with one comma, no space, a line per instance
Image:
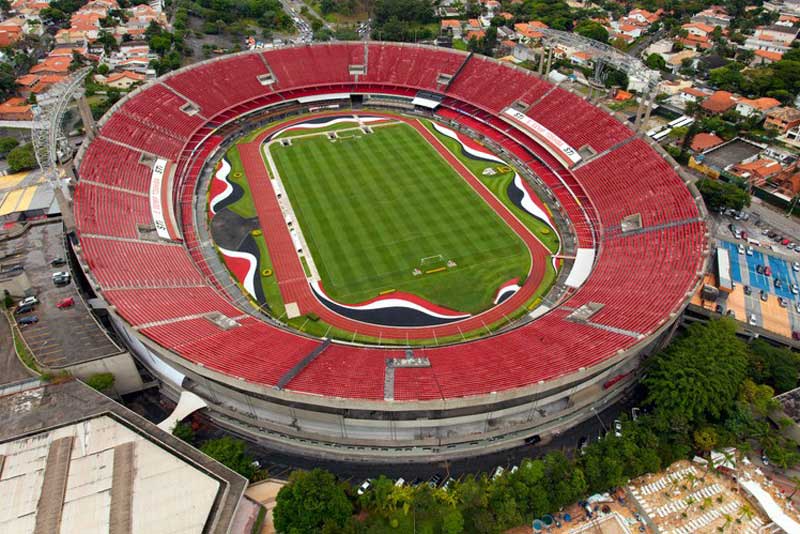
291,277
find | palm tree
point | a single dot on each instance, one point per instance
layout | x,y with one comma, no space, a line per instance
746,511
795,480
692,479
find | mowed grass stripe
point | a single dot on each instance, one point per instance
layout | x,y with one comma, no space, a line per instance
371,207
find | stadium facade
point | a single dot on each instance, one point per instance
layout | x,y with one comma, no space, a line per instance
634,248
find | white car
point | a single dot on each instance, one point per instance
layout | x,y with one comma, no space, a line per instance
796,266
740,248
753,320
28,300
362,489
749,250
618,428
795,289
400,481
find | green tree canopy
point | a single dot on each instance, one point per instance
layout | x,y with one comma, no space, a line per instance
7,144
775,366
592,30
699,374
21,158
231,453
309,500
656,62
718,194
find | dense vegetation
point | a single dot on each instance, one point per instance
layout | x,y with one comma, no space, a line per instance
718,194
708,389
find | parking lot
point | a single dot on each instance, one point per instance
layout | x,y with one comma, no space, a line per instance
61,336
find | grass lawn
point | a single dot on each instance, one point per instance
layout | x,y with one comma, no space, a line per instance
372,206
498,184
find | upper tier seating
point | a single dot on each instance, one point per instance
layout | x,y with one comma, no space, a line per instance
140,306
326,65
104,211
254,350
129,131
409,66
577,122
494,86
112,164
217,85
634,179
139,263
160,108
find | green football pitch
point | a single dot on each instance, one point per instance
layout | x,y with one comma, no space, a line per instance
372,206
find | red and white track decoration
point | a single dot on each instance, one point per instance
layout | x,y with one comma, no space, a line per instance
470,147
221,188
532,204
507,290
315,125
243,265
397,299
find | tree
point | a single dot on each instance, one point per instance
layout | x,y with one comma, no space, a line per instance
21,158
774,366
7,144
592,30
705,439
699,374
717,194
656,62
231,453
101,381
184,432
309,500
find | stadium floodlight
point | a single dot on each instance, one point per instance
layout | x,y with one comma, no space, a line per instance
47,136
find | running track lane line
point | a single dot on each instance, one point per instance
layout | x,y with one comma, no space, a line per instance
291,277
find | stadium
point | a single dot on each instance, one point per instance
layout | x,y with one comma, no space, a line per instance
372,251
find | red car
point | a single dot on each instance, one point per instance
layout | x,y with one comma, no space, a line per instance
66,303
767,270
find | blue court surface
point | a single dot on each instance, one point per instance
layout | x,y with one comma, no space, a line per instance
743,271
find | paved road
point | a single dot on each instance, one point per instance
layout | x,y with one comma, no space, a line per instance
11,369
777,219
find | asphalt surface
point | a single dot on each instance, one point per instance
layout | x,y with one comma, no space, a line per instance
11,369
155,408
62,336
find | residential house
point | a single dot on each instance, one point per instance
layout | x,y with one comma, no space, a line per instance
782,118
719,102
713,16
675,61
453,26
703,141
583,59
52,65
123,80
765,57
757,171
774,38
698,36
755,107
10,34
692,94
15,109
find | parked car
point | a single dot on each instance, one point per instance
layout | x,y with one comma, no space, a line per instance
30,319
797,307
61,278
23,309
57,262
782,302
795,289
362,489
740,248
778,283
399,482
749,250
65,303
29,300
718,308
760,269
747,290
731,313
767,271
764,295
753,319
618,428
796,266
